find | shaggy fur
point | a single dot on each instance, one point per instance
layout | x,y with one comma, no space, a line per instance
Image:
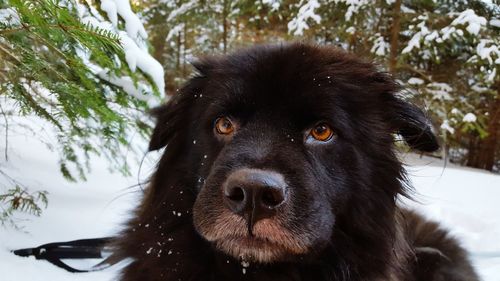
340,220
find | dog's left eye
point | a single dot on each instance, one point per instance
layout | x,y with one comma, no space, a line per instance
321,132
224,126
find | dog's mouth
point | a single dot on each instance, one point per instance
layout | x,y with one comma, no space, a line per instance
255,249
268,242
250,242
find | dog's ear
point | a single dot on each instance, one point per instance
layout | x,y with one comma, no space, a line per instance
172,116
405,118
413,125
164,129
168,117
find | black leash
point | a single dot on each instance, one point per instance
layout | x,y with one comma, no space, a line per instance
78,249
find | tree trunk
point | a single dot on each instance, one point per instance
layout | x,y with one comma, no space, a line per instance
158,43
184,45
178,61
396,26
225,11
484,154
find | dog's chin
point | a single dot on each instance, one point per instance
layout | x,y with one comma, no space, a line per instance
269,243
253,249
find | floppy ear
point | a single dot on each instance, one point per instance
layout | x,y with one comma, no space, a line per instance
163,130
414,126
171,116
167,122
406,119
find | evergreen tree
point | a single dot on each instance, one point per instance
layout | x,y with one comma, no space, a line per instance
447,53
73,65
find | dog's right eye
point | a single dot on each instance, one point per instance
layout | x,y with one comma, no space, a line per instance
224,126
320,133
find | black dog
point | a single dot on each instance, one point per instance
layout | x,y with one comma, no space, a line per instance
280,165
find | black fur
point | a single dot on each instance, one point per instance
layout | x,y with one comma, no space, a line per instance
343,193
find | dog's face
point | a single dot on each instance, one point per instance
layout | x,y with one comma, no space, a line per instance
284,143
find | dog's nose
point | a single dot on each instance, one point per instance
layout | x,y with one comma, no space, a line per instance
254,193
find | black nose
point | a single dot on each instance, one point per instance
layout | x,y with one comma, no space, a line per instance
254,193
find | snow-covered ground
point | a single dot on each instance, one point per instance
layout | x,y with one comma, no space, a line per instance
465,200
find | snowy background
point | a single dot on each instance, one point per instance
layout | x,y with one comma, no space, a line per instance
464,199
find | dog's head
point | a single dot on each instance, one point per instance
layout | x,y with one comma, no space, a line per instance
284,144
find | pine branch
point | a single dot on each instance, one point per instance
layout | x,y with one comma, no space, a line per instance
414,70
50,66
40,110
87,29
8,53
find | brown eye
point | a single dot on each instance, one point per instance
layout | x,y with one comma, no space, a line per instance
322,132
224,126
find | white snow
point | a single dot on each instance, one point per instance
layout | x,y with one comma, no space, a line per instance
479,89
433,36
417,37
473,21
466,19
174,31
133,24
413,43
137,57
492,74
109,7
495,22
488,52
415,81
82,210
9,16
447,127
469,117
407,10
132,40
351,30
464,200
380,46
181,10
353,6
447,32
456,111
299,23
275,4
127,84
439,90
